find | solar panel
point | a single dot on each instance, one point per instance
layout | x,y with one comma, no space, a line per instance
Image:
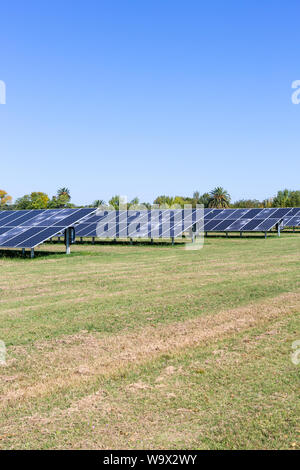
27,229
168,223
291,221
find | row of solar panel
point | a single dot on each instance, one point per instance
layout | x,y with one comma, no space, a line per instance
27,229
152,225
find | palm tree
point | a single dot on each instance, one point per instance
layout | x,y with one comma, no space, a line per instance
219,198
65,192
98,203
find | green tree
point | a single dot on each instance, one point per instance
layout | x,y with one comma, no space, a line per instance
281,200
246,204
5,199
98,203
294,199
287,198
117,201
64,193
61,200
219,198
204,199
133,203
35,200
164,201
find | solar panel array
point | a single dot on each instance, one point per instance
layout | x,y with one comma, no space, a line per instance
292,219
140,224
27,229
172,223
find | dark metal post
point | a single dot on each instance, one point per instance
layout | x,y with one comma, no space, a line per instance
68,249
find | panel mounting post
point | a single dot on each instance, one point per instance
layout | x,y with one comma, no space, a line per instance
68,249
173,241
241,234
278,230
23,251
32,253
266,234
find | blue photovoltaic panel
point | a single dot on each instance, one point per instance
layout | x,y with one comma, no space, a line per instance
168,223
280,213
222,226
27,229
267,224
238,225
250,214
250,226
294,212
291,222
265,213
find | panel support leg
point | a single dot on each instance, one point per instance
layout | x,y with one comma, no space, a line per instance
278,230
241,234
23,251
173,241
32,253
151,241
68,249
93,240
131,241
226,234
266,234
81,239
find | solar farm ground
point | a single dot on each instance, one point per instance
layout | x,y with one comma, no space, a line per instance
146,346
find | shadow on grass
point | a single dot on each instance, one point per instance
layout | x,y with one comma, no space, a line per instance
17,254
89,242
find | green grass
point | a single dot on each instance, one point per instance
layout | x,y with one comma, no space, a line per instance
69,384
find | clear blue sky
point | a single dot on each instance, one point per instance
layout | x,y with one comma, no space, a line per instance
149,97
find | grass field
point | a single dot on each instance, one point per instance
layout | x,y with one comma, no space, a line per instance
152,346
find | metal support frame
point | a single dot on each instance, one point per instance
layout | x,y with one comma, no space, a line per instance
241,234
68,249
278,230
131,241
173,241
266,234
93,240
32,253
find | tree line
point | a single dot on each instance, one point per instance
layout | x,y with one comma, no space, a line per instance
217,198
